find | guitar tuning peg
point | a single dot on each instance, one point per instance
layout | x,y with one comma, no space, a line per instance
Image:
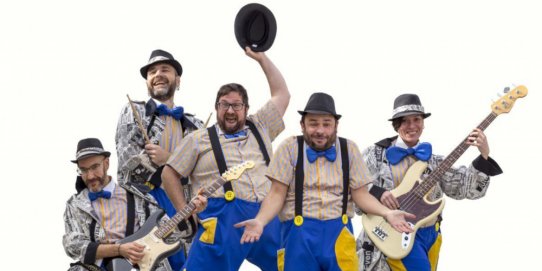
506,89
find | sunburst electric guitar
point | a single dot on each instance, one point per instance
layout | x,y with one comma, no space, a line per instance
152,236
412,193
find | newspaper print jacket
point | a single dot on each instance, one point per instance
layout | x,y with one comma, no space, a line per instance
134,166
458,183
79,215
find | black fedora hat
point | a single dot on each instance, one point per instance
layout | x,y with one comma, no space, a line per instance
408,104
161,56
89,147
320,103
255,26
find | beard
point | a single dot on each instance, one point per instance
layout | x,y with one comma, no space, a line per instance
231,128
162,93
329,142
101,182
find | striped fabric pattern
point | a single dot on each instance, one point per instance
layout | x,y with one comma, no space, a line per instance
112,214
172,134
194,156
323,184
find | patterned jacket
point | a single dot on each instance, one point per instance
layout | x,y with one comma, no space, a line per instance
81,244
133,165
458,183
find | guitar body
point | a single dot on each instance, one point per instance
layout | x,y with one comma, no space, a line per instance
155,248
392,243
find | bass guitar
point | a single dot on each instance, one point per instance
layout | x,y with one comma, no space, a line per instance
152,234
413,191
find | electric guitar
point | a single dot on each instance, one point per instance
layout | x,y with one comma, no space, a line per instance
152,236
412,193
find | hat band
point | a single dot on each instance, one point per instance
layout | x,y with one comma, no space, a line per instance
408,107
90,150
158,58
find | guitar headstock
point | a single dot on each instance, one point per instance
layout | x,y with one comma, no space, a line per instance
236,171
506,102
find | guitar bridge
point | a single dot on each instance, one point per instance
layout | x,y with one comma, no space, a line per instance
380,233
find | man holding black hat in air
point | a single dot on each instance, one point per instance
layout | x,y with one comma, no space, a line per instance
104,212
389,159
166,124
315,178
236,137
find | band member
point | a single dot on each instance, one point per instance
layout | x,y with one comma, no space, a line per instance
141,162
205,154
315,179
100,214
389,160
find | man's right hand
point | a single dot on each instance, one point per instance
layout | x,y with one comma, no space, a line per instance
132,251
389,200
253,230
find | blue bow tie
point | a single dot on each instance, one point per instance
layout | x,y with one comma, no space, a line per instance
102,194
176,112
238,134
396,154
330,154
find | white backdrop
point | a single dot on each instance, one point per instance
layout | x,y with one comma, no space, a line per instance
66,67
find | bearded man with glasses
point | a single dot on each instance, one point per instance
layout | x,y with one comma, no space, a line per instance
205,154
104,212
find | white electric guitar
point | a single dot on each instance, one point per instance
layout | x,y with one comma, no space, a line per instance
152,236
413,191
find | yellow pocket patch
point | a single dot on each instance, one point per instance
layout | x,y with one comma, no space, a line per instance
208,236
345,251
280,259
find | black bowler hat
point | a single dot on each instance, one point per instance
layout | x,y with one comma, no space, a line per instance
320,103
408,104
161,56
89,147
255,26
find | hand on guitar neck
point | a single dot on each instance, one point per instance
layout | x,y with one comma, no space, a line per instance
478,138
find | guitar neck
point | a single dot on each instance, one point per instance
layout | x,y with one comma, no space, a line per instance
448,162
166,228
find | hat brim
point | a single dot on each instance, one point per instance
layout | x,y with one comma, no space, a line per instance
104,153
256,27
409,113
317,112
171,62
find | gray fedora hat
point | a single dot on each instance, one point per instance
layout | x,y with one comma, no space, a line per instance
161,56
320,103
89,147
408,104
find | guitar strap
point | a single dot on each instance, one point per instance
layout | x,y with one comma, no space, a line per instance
130,217
300,176
219,155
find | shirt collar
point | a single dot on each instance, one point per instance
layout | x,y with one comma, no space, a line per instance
400,143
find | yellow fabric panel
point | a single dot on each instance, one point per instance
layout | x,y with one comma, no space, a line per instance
435,251
345,251
208,236
280,259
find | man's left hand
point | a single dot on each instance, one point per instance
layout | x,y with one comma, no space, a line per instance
478,138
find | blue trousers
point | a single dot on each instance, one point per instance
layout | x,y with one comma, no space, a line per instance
217,245
318,245
176,260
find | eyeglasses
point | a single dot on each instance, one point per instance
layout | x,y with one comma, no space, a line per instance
84,171
226,106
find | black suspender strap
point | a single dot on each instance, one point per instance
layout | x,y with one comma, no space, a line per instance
299,179
346,174
92,229
258,137
130,208
220,160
